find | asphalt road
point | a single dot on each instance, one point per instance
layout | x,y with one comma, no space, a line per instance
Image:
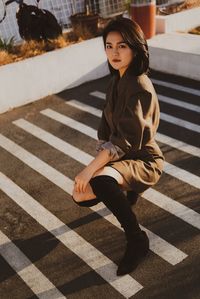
50,248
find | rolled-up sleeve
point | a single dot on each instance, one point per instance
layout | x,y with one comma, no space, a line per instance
115,151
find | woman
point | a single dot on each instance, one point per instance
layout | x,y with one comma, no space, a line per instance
128,157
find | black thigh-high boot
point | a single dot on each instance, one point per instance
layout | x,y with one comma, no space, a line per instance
109,192
132,197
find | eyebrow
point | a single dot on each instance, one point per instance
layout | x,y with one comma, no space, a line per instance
122,42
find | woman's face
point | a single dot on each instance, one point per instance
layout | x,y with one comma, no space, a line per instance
119,54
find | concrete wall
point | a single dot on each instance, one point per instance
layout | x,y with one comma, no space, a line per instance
34,78
176,53
182,21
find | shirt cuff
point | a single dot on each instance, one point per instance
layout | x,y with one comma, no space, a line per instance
99,145
114,151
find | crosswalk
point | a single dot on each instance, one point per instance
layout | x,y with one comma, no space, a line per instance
192,150
66,184
168,118
24,267
34,130
76,241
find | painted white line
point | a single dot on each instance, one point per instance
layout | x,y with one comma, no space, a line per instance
173,207
84,250
163,116
52,140
178,103
98,94
84,107
161,98
190,149
168,252
177,144
180,122
69,122
182,175
175,171
177,87
38,165
29,273
158,245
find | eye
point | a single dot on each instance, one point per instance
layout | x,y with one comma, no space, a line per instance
108,46
122,46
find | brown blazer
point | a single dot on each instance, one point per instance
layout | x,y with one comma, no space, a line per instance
130,120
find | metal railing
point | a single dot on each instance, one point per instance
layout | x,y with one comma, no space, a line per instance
62,9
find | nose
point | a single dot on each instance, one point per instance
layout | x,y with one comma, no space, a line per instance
115,51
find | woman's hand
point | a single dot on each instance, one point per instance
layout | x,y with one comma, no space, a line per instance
82,179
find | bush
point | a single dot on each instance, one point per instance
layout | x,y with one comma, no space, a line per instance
7,45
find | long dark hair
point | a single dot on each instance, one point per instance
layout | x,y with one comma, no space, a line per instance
134,37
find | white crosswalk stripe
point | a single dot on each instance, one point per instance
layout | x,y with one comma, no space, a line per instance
159,246
84,107
54,141
178,103
98,94
88,253
177,144
69,122
172,206
40,133
38,165
161,83
176,87
180,122
183,175
29,273
175,171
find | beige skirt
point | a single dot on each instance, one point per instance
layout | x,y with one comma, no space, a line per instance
139,171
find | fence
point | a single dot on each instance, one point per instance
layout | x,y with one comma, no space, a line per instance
62,9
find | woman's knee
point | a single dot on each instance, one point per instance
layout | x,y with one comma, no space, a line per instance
77,197
103,184
111,172
83,196
85,199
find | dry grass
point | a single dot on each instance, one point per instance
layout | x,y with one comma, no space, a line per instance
187,4
195,30
6,57
32,48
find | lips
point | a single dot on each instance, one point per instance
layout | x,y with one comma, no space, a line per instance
116,60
